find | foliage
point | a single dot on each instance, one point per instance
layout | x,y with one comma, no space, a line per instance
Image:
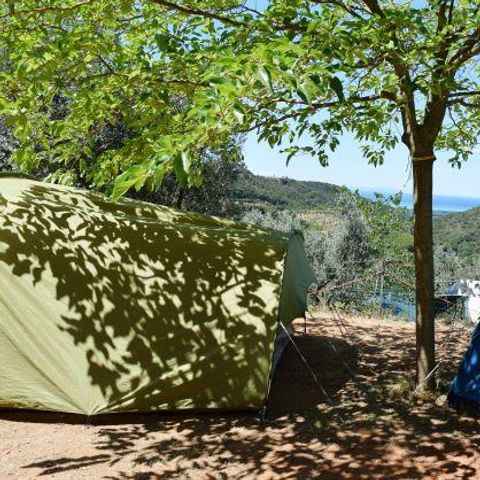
350,251
109,62
284,193
367,232
460,232
8,144
184,75
281,220
390,226
448,267
334,255
285,221
221,170
354,244
316,246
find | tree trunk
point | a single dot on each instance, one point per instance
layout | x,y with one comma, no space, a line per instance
424,273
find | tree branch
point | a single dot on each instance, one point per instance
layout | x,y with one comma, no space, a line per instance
441,16
200,13
374,7
464,103
436,104
458,98
317,106
450,11
470,48
408,109
340,4
464,94
186,10
60,8
112,73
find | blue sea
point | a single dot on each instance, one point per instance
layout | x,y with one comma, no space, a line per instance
441,203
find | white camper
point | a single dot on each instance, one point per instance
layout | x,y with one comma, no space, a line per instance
469,291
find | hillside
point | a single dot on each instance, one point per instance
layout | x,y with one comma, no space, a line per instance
285,193
460,231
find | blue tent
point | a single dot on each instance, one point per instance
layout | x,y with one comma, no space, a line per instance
465,390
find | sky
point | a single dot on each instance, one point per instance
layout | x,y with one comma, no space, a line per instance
347,167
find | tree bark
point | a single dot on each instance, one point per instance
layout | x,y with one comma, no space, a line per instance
424,272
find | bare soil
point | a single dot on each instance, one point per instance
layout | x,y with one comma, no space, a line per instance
358,421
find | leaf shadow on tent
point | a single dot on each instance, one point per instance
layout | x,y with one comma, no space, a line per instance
160,310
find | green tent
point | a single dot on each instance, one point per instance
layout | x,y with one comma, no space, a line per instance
109,307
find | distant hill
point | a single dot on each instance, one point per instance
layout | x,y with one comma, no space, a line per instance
284,193
460,231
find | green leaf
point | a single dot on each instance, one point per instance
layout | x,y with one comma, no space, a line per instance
239,114
337,86
159,174
217,80
196,179
316,79
186,161
179,169
135,176
304,93
265,78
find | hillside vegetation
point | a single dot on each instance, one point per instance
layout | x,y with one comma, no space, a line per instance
283,193
461,232
312,200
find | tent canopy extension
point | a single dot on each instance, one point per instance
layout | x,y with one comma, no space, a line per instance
465,389
109,307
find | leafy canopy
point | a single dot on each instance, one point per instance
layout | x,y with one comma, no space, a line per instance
184,74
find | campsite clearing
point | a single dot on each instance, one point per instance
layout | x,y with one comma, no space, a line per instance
384,434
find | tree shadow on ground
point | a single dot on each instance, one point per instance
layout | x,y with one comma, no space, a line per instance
373,432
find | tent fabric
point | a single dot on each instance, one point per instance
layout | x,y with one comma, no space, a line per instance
109,307
465,389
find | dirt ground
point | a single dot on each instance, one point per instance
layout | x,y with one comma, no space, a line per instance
367,428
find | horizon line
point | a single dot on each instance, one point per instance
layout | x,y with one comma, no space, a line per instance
376,189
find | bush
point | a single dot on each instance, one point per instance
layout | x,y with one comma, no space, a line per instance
285,221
